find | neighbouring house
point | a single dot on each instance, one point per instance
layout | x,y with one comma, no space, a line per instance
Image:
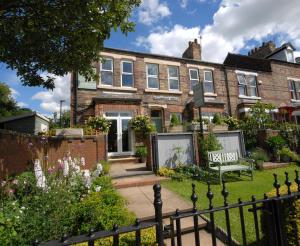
132,83
31,123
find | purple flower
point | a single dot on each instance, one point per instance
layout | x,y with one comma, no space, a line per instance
51,170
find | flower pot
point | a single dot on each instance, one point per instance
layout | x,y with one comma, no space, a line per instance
219,128
176,128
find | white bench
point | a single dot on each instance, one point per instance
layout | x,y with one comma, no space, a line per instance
222,162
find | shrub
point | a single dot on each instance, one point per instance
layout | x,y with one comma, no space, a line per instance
275,143
287,155
211,142
174,120
217,119
233,123
259,154
99,123
291,214
291,133
141,151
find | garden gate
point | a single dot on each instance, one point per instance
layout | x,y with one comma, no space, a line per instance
270,207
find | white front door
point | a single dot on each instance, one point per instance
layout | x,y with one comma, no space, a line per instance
119,135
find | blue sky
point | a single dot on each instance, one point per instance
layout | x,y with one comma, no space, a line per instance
166,26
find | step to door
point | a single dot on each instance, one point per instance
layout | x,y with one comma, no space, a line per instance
123,160
140,180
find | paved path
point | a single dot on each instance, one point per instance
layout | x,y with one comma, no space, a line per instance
140,202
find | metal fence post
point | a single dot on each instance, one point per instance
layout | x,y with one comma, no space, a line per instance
158,214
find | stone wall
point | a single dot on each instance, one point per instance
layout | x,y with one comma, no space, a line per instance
18,151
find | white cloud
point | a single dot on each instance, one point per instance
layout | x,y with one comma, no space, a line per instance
50,99
183,3
14,93
172,42
150,11
22,104
234,24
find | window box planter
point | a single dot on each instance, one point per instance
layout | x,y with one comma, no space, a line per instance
178,128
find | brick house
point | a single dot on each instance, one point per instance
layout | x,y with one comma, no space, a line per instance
267,74
133,83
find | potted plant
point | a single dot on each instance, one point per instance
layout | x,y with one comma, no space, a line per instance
218,123
141,152
275,144
142,126
175,125
99,123
195,124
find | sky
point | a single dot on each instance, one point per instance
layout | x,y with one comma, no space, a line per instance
166,26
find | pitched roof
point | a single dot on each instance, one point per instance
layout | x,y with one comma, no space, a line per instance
282,47
17,117
247,62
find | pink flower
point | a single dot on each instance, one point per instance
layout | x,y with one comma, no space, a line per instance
15,182
11,191
51,170
61,166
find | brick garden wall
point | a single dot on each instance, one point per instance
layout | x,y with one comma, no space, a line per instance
18,150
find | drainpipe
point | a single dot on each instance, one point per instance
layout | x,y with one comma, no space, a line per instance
75,83
227,89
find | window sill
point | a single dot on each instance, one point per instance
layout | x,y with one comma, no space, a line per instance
295,101
205,94
114,88
163,91
251,98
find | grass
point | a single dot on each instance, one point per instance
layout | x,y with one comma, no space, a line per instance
242,188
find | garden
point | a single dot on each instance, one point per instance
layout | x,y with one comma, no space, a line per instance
64,199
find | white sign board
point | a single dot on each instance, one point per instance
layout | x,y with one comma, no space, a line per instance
198,95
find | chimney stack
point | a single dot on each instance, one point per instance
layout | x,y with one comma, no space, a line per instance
193,51
261,52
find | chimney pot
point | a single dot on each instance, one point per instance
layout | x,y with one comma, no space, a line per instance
196,41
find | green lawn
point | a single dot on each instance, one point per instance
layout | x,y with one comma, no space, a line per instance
242,188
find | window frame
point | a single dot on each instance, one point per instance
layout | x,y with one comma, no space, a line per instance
152,76
247,84
179,116
207,81
173,78
105,70
126,73
295,91
191,80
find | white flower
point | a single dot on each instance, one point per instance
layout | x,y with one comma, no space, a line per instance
97,188
87,178
66,169
82,161
3,183
39,175
100,167
23,208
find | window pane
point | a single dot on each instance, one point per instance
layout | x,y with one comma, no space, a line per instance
173,72
193,83
127,80
242,90
127,67
174,84
153,82
152,69
252,91
252,80
208,87
241,79
107,65
194,74
106,78
208,76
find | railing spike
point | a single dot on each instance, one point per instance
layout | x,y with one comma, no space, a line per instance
177,212
35,242
297,179
225,193
209,195
115,227
265,196
287,182
137,222
64,238
91,232
194,197
253,198
276,184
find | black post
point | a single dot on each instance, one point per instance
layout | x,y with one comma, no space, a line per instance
158,214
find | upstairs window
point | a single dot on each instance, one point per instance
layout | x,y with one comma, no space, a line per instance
127,73
152,76
106,70
173,78
86,84
247,85
294,88
194,77
208,82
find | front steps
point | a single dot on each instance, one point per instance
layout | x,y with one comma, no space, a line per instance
123,160
135,181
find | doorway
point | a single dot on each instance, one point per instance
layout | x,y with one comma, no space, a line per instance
120,134
157,120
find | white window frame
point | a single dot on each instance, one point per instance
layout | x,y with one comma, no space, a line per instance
126,73
152,76
174,78
105,70
191,80
296,93
247,85
208,81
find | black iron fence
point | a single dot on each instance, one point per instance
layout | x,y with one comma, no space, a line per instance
270,207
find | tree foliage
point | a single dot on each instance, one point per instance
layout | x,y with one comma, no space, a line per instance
56,37
8,106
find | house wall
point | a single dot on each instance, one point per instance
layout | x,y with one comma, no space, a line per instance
19,150
25,125
169,101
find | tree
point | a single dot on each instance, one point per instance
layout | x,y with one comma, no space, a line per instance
56,37
8,106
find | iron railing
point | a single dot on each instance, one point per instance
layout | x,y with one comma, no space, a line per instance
270,207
